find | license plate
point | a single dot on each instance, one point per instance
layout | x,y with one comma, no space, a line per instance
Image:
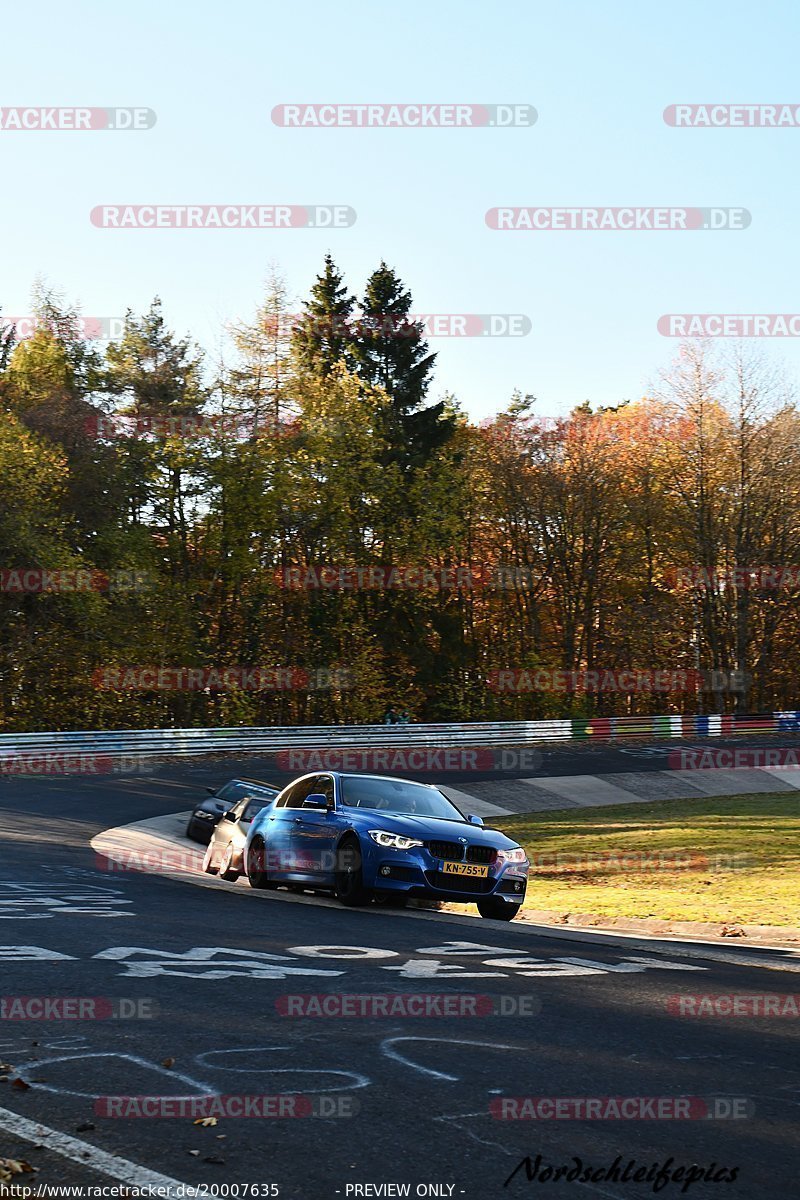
453,868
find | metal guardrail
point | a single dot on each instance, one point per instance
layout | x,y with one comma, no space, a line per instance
186,742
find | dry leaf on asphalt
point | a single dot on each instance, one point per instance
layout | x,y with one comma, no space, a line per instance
168,1062
21,1084
9,1167
205,1121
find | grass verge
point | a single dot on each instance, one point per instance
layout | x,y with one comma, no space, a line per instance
731,859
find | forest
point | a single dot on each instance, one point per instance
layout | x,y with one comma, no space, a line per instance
294,532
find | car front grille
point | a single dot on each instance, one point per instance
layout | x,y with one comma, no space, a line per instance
481,854
455,852
452,851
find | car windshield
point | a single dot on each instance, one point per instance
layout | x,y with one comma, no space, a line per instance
396,796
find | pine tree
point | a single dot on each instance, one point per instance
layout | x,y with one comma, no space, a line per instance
8,339
324,335
391,353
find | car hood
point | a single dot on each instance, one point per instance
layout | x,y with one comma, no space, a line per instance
212,805
427,828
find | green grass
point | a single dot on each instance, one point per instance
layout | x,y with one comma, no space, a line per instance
761,887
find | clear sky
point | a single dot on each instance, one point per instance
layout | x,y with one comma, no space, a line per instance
599,75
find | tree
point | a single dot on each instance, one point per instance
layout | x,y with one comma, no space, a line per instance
52,383
391,354
157,375
258,387
324,336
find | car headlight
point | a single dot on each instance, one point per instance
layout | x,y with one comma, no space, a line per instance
392,841
517,855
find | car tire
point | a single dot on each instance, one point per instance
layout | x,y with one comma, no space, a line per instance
498,910
208,866
256,863
227,871
348,885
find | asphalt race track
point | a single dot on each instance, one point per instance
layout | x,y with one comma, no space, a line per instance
209,981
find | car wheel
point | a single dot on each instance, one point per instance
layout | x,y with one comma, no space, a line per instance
226,868
257,865
208,866
348,875
498,910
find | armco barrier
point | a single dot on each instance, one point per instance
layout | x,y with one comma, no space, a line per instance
183,742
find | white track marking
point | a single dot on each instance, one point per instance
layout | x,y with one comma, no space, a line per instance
360,1080
31,954
387,1049
203,1089
121,1170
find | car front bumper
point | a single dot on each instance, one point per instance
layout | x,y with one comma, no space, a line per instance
417,873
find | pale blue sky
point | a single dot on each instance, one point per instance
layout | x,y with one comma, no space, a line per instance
599,75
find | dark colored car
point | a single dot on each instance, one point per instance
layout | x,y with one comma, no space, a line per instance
205,816
370,837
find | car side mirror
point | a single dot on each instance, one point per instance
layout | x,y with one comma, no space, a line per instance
317,801
211,791
473,820
230,815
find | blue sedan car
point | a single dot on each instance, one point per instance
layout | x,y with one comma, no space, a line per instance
367,837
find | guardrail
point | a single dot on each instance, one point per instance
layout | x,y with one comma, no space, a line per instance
186,742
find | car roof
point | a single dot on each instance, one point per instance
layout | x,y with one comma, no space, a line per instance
384,778
357,775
